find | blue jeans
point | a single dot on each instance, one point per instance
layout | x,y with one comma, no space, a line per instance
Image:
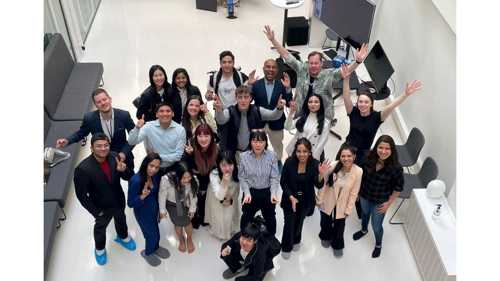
370,210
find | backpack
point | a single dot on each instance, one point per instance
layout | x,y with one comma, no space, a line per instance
239,78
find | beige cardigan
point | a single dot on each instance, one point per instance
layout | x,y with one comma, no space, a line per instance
348,184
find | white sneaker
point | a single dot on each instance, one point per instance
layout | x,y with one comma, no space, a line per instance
286,255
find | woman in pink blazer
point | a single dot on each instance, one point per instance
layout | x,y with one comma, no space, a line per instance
337,198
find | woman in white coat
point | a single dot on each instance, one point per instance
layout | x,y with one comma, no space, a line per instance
311,125
222,208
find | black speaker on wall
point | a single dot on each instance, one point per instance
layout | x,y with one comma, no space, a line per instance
297,31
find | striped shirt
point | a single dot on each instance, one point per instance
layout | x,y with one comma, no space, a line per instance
259,173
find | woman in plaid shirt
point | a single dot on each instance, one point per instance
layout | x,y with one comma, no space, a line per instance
381,184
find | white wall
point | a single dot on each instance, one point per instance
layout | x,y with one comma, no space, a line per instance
421,45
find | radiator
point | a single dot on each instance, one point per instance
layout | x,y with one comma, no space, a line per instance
433,242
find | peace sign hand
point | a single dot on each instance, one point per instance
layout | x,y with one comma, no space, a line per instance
140,122
285,80
252,78
281,103
293,106
120,165
217,104
188,148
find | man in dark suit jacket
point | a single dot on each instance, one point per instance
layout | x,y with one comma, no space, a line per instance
266,93
108,120
98,188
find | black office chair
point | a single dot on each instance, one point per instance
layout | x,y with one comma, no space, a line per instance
428,172
408,153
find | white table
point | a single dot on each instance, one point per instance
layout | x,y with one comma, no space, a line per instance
283,5
433,242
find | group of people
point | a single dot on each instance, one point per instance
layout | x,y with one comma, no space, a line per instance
198,166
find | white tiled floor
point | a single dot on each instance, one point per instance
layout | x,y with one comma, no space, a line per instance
128,37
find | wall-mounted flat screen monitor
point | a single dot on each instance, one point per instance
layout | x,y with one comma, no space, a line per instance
351,19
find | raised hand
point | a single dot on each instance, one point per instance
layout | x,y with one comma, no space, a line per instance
323,167
122,156
281,103
252,78
188,148
362,53
285,80
204,108
120,165
61,143
209,95
293,106
412,87
140,122
269,33
344,71
217,103
226,251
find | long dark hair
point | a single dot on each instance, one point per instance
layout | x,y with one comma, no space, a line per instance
339,165
205,160
143,170
308,146
305,112
177,72
228,157
152,70
372,157
186,119
175,176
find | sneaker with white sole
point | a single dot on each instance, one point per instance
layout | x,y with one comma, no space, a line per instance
325,243
286,255
228,273
338,253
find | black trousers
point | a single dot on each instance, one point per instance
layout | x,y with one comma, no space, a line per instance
234,261
261,200
101,223
199,216
292,228
332,230
360,156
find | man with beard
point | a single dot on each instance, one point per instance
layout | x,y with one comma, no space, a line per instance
113,122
